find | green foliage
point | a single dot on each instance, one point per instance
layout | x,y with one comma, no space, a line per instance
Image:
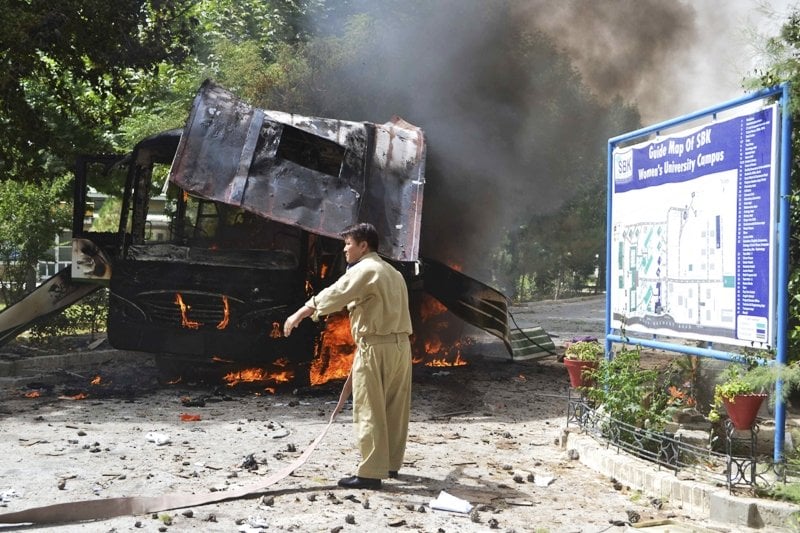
629,393
70,71
88,316
585,351
750,377
107,218
789,492
765,377
682,378
734,381
30,217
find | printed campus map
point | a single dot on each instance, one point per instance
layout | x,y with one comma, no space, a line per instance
692,233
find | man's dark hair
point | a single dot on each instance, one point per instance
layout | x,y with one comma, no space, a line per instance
363,231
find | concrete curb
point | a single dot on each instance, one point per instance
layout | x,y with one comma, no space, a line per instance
705,501
46,363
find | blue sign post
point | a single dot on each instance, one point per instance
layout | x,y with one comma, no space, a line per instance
698,232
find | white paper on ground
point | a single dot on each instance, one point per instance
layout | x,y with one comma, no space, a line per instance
448,502
159,438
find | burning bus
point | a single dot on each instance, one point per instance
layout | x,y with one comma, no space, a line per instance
252,206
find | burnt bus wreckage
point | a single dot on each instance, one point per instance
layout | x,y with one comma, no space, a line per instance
255,203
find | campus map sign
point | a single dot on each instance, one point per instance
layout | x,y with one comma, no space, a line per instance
693,232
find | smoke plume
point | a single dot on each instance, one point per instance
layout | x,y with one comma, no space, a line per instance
517,98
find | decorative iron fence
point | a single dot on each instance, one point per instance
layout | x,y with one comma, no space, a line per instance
728,460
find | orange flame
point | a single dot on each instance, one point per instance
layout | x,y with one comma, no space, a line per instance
276,330
323,271
186,417
185,321
436,326
79,396
430,307
335,351
251,375
33,394
225,314
96,380
444,362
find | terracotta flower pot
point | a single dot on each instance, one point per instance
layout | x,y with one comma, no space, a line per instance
577,370
743,408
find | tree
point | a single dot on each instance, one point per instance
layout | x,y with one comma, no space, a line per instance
69,71
255,48
30,217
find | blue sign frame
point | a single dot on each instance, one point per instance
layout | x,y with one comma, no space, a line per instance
743,230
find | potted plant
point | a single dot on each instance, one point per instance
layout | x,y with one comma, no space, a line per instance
580,358
743,388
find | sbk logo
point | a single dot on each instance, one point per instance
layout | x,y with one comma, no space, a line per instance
623,166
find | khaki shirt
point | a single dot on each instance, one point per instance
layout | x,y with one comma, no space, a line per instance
374,293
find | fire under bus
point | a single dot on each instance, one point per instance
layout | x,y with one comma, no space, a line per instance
229,225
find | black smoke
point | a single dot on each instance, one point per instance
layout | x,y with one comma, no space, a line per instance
517,98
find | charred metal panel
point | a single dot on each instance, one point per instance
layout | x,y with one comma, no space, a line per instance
318,174
49,298
467,298
232,307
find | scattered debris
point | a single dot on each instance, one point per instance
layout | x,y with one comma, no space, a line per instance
448,502
160,439
573,454
352,498
257,521
250,462
193,402
475,516
450,414
6,495
656,502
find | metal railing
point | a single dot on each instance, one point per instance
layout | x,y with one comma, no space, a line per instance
730,461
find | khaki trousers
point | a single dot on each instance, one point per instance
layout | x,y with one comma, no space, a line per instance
381,403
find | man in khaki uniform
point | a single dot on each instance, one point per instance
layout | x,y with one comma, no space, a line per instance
376,297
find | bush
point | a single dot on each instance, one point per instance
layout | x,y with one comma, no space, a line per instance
629,393
88,316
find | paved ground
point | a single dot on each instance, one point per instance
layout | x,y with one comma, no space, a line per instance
488,433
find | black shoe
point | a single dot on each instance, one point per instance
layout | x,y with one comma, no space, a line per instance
356,482
393,474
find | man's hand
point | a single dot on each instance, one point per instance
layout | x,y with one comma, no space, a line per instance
294,320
